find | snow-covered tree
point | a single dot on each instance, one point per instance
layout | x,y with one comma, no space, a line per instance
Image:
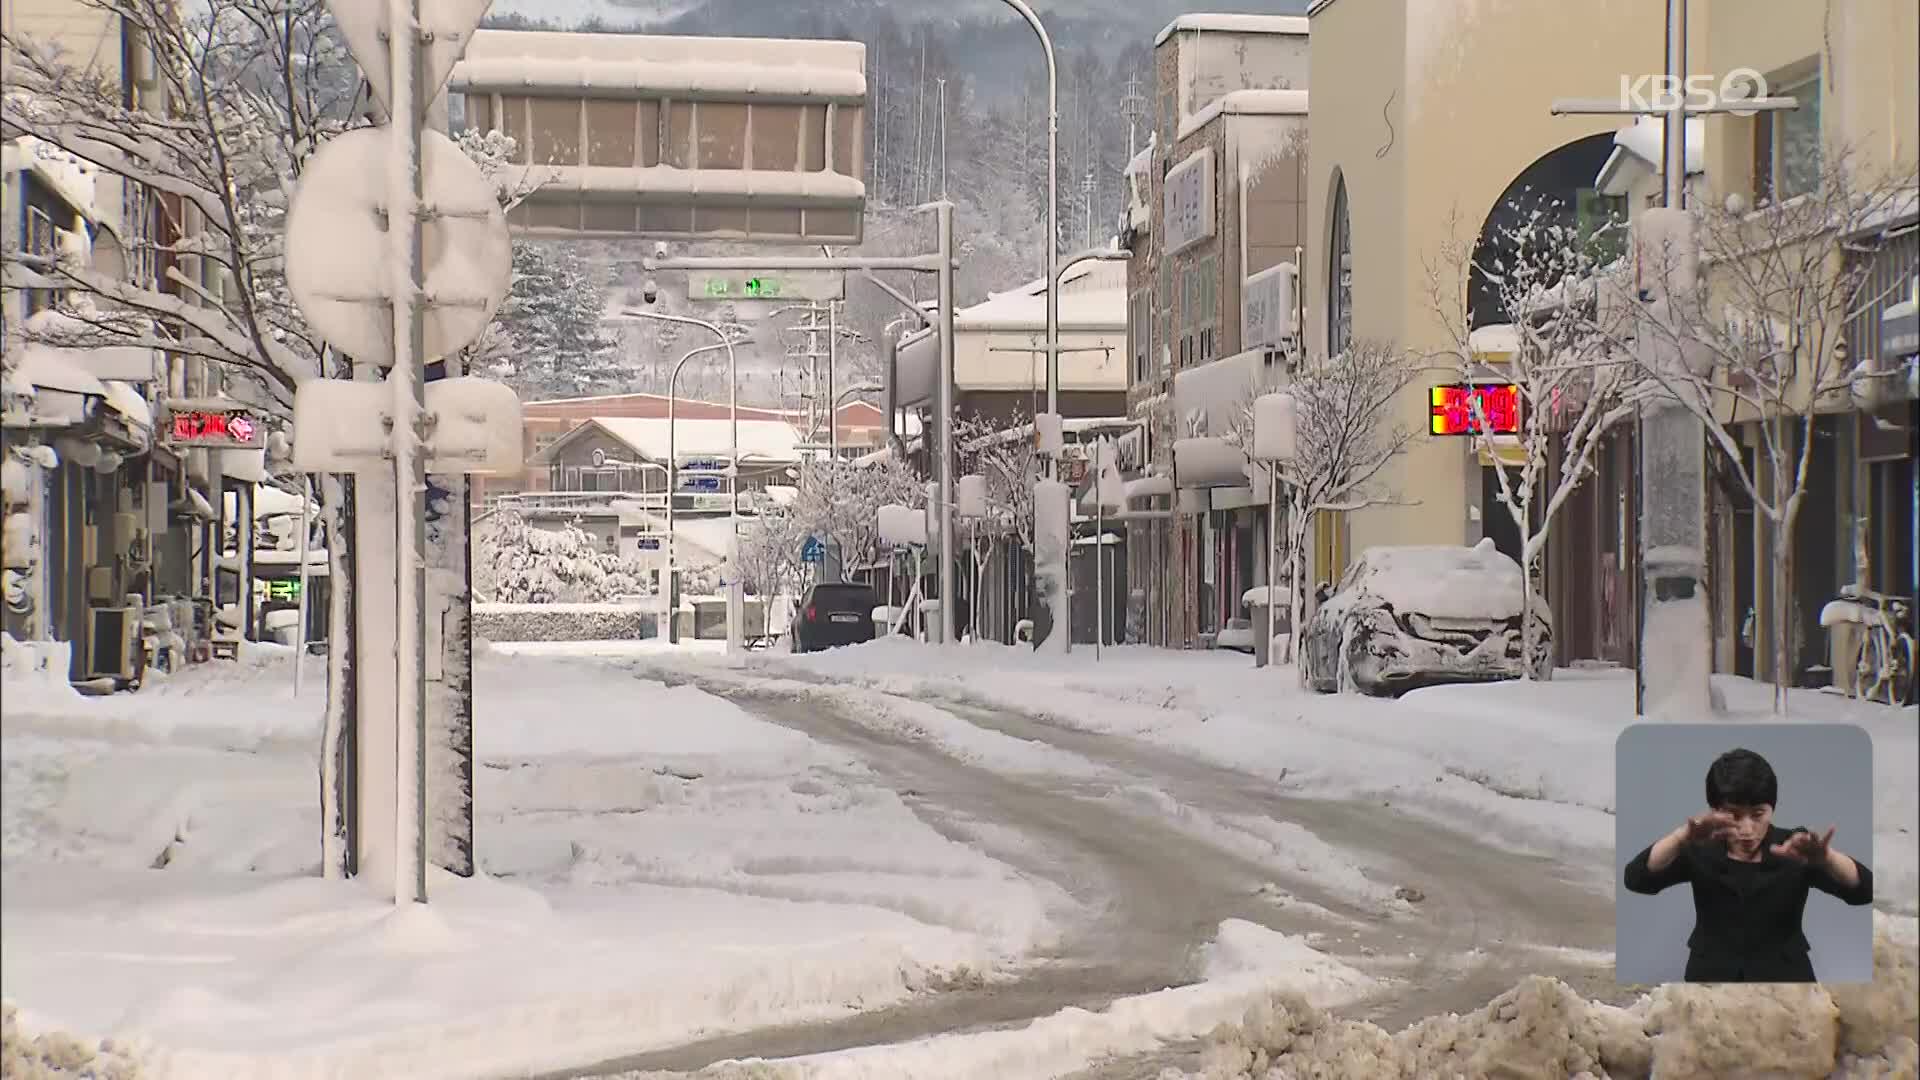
840,502
517,563
1004,454
770,546
1765,339
1345,436
553,319
1565,296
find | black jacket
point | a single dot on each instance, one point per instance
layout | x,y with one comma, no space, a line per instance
1746,916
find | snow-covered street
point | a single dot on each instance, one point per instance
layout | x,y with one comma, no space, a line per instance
891,860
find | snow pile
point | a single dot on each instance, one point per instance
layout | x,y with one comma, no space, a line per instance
1542,1028
54,1055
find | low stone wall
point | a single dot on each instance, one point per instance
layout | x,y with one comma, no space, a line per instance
564,622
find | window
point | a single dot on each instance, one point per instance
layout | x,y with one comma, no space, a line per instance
1602,221
1141,332
1340,275
41,244
1786,145
1163,296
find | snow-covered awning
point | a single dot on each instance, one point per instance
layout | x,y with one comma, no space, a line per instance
1211,397
127,363
1639,151
1204,463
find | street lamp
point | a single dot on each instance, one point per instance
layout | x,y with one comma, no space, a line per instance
733,379
1053,206
673,474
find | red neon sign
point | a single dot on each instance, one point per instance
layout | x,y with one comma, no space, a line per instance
202,428
1452,409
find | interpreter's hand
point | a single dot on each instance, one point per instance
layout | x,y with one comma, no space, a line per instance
1805,847
1712,825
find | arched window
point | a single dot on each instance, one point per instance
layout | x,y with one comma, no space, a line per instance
1557,189
1340,274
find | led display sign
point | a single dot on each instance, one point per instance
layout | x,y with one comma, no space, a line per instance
1452,409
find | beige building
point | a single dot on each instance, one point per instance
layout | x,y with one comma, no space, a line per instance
1426,109
1431,108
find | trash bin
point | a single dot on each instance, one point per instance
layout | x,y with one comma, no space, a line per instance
1256,601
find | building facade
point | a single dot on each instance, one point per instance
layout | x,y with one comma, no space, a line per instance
111,535
1216,231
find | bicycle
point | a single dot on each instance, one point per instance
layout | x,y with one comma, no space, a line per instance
1885,670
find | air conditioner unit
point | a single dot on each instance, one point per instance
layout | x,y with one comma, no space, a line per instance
113,642
101,584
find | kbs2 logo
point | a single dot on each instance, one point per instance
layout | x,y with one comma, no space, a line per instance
1695,93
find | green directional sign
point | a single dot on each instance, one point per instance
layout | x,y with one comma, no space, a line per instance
801,286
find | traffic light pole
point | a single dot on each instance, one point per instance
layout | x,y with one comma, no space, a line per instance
1674,662
940,264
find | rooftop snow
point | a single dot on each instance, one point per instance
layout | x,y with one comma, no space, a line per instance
1234,24
681,78
1247,103
55,368
1645,140
764,440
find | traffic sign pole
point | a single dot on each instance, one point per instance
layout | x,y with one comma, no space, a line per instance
405,198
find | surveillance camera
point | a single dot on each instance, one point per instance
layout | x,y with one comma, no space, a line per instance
650,291
659,249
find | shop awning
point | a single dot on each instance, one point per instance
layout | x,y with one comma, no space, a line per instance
1203,463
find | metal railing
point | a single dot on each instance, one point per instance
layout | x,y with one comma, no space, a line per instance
752,502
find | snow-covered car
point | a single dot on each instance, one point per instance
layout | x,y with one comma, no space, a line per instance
1406,617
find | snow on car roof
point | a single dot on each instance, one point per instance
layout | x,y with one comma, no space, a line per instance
1450,581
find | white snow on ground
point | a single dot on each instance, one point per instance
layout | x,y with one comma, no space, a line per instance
1245,964
1532,761
662,866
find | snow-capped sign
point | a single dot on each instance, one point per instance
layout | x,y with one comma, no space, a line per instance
1189,201
445,25
813,551
778,155
337,246
802,285
220,425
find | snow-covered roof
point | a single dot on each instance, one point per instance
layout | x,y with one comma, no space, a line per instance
127,401
69,177
1247,103
1643,144
1498,338
628,64
1144,158
1233,24
42,365
1103,309
760,440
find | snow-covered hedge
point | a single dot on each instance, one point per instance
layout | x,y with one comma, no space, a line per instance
564,622
516,563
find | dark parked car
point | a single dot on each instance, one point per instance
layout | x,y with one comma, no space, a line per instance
1406,617
833,615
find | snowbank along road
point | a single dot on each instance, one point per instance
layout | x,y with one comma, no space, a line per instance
1157,850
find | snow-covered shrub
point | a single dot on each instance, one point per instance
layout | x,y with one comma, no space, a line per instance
564,622
516,563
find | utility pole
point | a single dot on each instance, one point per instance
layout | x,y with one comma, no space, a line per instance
1086,196
1133,106
1670,683
943,138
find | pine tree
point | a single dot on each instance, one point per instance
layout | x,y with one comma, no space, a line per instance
554,318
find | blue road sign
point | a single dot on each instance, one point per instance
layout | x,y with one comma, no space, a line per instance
813,551
699,483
